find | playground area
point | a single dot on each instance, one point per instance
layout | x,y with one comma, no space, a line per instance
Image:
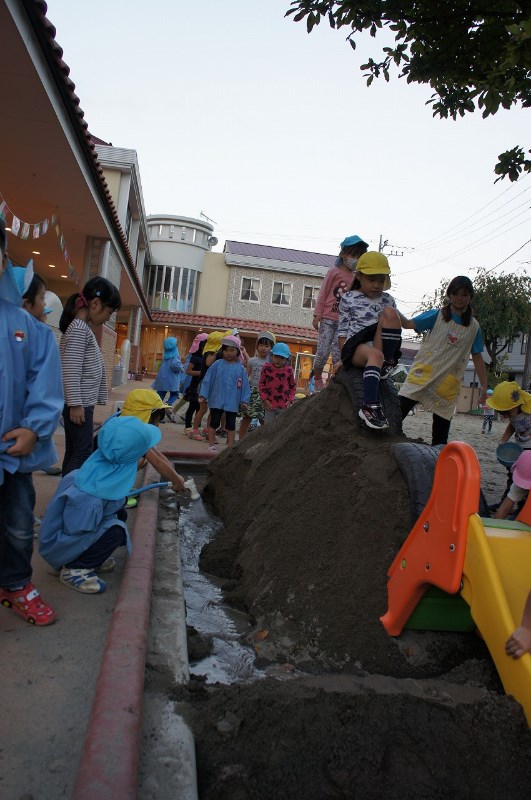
315,511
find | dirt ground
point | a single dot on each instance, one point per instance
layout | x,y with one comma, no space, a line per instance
314,511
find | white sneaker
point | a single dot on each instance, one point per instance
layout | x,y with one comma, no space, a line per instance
212,450
82,580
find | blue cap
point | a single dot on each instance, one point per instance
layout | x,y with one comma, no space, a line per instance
350,241
110,472
281,349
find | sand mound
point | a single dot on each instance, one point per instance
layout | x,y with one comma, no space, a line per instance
315,510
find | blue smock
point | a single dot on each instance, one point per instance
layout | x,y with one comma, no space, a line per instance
226,385
31,391
74,520
167,379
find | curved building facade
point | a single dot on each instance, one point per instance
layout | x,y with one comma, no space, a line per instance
178,246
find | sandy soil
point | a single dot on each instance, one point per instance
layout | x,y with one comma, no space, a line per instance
314,510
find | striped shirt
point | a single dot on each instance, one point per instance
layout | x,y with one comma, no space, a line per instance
84,379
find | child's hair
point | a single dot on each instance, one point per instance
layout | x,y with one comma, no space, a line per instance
99,288
460,282
31,292
157,415
356,250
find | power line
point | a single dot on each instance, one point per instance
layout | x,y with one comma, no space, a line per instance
508,257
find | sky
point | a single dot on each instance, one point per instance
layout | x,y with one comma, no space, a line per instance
238,114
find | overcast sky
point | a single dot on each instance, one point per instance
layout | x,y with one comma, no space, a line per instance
237,112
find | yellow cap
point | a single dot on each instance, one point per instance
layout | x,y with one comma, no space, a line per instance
373,263
508,395
141,403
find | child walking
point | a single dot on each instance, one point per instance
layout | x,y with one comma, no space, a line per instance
200,406
167,379
225,388
277,385
84,379
326,312
31,399
488,415
255,409
369,332
84,522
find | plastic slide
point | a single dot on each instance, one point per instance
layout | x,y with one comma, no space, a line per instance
487,561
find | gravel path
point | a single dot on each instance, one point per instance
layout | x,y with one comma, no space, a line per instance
467,428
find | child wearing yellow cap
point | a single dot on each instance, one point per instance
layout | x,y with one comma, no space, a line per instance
369,332
514,405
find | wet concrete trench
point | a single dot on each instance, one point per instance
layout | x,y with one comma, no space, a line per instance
218,635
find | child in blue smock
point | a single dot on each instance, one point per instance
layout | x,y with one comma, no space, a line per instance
226,389
167,379
31,400
84,522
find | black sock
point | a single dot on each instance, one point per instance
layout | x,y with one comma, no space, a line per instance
390,341
371,384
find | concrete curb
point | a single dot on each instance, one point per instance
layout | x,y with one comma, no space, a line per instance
109,760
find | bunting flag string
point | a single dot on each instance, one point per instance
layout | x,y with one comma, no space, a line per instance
35,230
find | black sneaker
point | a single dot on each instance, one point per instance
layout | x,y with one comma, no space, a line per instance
373,416
387,367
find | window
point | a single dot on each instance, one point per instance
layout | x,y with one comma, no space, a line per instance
523,348
310,296
281,294
250,290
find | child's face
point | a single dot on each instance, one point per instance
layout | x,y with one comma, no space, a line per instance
278,361
210,358
36,309
98,313
460,300
371,285
230,353
263,348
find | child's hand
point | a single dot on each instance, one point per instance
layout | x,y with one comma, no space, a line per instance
77,415
25,441
315,322
244,406
203,400
518,643
178,484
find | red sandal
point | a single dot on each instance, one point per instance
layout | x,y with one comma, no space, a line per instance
28,604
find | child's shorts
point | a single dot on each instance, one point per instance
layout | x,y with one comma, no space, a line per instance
255,407
215,419
362,337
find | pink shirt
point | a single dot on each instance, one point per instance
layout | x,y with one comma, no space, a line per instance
277,385
337,281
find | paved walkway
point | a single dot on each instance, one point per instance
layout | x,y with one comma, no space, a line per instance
49,674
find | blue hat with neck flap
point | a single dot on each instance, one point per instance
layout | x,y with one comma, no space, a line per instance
110,472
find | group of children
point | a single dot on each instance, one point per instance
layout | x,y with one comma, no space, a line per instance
85,521
359,324
225,382
39,382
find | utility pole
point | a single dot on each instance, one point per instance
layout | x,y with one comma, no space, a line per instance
385,243
526,377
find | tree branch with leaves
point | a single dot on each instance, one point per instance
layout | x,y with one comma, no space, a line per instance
473,54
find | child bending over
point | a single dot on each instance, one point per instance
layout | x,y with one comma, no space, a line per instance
85,522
